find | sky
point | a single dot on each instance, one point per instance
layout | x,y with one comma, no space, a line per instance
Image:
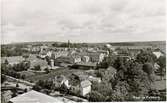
83,20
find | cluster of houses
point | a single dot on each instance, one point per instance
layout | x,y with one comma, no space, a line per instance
77,83
64,57
80,58
77,57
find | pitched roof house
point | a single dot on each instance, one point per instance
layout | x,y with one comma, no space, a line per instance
85,87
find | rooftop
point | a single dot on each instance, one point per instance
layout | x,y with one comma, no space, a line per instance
37,97
85,83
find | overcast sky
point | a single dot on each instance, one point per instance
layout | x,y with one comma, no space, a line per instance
83,20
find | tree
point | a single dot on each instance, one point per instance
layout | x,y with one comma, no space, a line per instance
46,70
36,87
146,56
120,91
45,84
3,79
23,76
103,88
95,96
148,68
25,90
119,64
138,80
37,68
162,63
6,62
17,85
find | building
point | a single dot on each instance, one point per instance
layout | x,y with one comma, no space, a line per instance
61,80
64,61
42,54
157,54
96,57
79,76
85,59
94,79
85,87
87,65
37,97
57,53
77,59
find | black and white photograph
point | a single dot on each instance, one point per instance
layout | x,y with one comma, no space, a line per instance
69,51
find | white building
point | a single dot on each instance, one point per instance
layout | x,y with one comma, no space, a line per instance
85,87
61,80
85,58
101,57
94,79
49,54
158,54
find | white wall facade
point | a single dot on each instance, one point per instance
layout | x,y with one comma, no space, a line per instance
85,90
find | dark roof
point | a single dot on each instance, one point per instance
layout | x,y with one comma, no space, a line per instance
65,59
87,64
85,83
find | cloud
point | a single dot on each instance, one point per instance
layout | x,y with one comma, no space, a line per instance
83,20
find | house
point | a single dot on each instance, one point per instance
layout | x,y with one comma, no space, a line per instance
43,54
35,49
61,80
64,61
157,54
96,57
80,83
60,53
124,57
76,58
37,97
79,76
49,53
85,87
110,47
88,65
94,79
85,58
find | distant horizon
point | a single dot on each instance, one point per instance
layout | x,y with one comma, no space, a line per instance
82,42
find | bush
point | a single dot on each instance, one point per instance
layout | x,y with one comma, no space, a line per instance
95,96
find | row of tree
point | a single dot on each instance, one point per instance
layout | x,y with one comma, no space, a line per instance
134,78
